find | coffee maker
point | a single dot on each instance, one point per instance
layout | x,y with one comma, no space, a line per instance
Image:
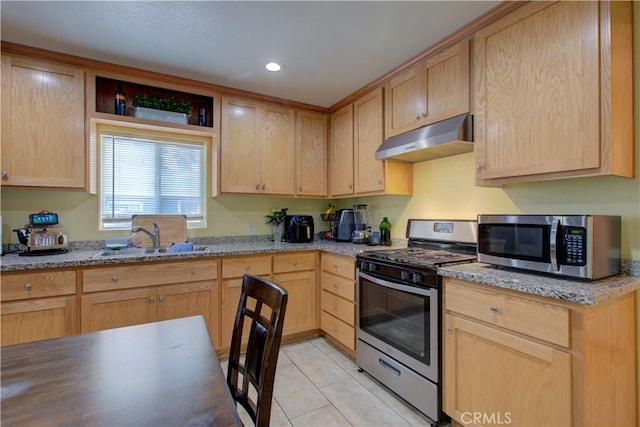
361,217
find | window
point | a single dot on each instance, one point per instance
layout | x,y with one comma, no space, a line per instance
150,174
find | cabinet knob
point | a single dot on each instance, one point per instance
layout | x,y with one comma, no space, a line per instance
478,165
295,263
417,117
257,186
5,175
379,182
247,268
335,286
335,329
194,271
161,298
114,279
335,306
350,186
27,287
300,189
448,330
263,186
494,310
424,115
152,300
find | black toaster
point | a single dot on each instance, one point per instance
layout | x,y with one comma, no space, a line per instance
298,228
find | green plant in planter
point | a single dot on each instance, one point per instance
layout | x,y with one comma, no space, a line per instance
165,104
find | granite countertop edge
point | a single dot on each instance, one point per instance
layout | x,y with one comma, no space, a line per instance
577,291
86,257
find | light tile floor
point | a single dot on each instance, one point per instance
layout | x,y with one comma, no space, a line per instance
318,385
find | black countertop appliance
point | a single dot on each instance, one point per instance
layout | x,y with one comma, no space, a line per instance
298,228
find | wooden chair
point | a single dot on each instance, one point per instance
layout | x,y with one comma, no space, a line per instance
258,371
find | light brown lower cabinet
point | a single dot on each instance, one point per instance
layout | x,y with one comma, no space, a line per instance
337,282
37,306
515,359
134,294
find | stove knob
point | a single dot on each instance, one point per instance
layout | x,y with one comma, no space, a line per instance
373,266
405,275
364,266
416,277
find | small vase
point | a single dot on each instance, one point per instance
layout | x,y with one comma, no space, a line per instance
277,234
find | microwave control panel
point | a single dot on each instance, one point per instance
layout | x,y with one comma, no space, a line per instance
574,246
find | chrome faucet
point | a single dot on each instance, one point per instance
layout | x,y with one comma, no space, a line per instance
155,236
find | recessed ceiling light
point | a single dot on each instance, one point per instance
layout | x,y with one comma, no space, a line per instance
273,66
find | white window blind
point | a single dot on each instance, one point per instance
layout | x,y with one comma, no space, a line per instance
150,175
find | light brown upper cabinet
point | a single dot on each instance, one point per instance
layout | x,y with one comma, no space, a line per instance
341,152
311,154
356,134
371,175
256,148
43,138
433,90
553,93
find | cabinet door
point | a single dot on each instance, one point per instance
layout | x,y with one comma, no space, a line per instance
403,102
504,376
341,152
189,299
446,82
239,165
38,319
114,309
537,86
301,306
276,149
43,142
311,154
368,135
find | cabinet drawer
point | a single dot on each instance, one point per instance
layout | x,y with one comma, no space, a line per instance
339,307
135,276
340,286
342,266
294,262
339,330
236,267
527,316
36,285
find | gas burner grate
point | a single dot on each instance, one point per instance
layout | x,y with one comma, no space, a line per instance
417,256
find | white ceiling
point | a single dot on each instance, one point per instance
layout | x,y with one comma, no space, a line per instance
329,49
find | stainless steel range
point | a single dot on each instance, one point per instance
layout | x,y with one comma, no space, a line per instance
399,303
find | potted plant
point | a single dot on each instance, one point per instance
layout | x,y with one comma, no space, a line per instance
276,217
164,109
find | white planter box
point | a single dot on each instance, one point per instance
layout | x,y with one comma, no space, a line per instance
161,115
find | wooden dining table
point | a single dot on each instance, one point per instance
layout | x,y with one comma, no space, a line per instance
156,374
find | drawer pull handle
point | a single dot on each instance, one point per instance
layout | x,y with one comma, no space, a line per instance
27,287
335,265
194,271
388,366
161,298
151,300
494,310
114,279
247,268
335,329
335,306
295,263
335,285
448,330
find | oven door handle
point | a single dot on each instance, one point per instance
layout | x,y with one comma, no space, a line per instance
397,286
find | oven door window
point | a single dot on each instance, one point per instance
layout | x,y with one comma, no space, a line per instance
398,318
516,241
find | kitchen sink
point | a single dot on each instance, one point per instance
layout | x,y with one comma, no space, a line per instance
164,250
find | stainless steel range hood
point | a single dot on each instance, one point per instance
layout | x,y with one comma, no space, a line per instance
442,139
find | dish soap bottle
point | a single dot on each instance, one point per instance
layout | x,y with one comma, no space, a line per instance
120,101
385,232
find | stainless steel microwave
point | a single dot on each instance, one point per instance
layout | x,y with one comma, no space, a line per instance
582,246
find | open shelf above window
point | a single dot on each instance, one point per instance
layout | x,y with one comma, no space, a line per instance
106,89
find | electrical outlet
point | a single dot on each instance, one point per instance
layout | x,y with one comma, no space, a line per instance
251,229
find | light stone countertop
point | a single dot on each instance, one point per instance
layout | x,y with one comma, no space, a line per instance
566,289
85,257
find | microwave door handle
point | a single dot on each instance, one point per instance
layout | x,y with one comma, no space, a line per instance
553,246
